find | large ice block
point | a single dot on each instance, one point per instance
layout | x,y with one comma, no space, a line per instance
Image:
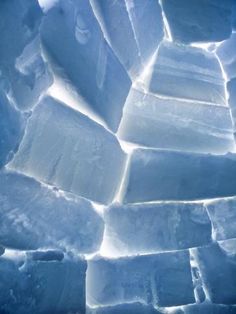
65,148
168,175
34,216
76,45
217,266
127,308
227,55
12,125
198,20
222,213
154,121
42,287
142,24
159,279
145,228
187,72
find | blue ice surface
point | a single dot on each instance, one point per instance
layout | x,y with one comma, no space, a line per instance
12,125
76,46
33,216
222,213
38,286
126,308
199,20
145,228
217,264
65,148
134,30
187,72
170,123
169,175
22,67
231,87
205,308
140,279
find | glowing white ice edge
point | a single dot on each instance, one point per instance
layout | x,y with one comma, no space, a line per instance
46,4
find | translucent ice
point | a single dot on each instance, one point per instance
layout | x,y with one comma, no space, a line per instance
142,24
76,45
28,286
189,73
145,228
12,125
33,216
205,309
63,147
127,308
140,279
160,122
227,55
223,216
218,272
199,20
231,87
169,175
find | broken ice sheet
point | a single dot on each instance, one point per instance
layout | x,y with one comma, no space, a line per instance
142,24
140,279
65,148
127,308
199,20
187,72
154,121
217,264
146,228
34,216
12,125
76,46
168,175
222,213
33,286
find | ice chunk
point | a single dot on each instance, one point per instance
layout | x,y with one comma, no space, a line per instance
63,147
169,175
140,279
127,308
70,223
145,228
223,216
42,286
189,73
205,309
218,272
142,24
12,125
74,41
231,87
227,55
175,124
198,20
50,255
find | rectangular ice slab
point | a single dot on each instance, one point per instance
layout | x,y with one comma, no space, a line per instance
76,45
189,73
42,287
134,30
223,216
168,175
198,20
12,125
217,264
63,147
34,216
140,279
127,308
161,122
227,55
146,228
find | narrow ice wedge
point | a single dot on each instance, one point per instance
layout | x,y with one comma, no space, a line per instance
140,279
168,175
189,73
33,216
33,286
76,46
154,121
147,228
64,148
